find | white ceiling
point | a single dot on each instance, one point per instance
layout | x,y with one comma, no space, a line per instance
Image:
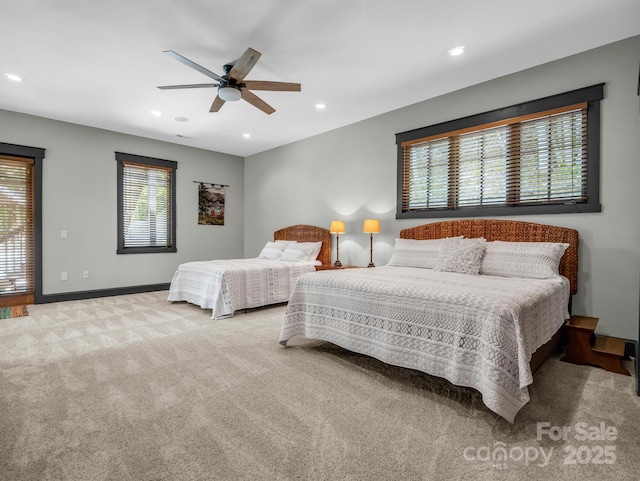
98,63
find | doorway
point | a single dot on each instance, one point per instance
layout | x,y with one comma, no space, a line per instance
16,230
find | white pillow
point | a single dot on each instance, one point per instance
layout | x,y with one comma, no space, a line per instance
531,260
272,250
286,242
301,252
463,256
417,253
314,250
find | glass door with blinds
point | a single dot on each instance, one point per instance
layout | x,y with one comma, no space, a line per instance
16,231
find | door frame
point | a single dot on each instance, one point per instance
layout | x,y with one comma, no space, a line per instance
37,154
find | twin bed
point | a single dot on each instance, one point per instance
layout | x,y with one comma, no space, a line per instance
480,303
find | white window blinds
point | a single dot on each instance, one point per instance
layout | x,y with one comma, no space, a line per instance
146,204
147,200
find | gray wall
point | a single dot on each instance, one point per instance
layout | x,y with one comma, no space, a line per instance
347,174
79,196
350,174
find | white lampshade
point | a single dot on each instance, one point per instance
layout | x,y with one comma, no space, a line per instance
371,226
337,227
229,93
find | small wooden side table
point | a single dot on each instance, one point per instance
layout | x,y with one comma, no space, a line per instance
331,267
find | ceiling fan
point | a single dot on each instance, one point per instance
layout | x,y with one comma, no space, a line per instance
232,86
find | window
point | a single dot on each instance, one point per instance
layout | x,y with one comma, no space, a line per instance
146,204
32,248
16,227
534,158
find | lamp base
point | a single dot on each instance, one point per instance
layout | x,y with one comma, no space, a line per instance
371,264
337,263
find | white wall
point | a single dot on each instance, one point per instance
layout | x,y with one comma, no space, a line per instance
350,174
79,196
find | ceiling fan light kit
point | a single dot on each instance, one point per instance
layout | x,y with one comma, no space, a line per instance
231,86
229,93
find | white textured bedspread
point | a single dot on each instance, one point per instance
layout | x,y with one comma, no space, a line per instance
475,331
225,286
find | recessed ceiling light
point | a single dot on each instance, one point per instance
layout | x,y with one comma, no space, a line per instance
320,106
14,77
455,51
157,113
181,119
247,135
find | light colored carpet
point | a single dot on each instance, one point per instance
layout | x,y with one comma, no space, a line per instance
136,388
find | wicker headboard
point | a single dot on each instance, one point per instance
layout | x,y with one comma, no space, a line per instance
308,233
506,230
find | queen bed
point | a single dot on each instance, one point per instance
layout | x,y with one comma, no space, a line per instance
226,286
480,303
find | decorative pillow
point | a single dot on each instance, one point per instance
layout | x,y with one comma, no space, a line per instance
531,260
417,253
301,252
314,250
272,250
463,256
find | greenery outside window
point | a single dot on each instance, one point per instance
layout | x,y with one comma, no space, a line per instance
539,157
146,204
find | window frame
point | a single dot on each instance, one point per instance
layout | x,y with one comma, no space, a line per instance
172,166
591,95
38,155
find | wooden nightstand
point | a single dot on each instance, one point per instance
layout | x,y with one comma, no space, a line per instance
331,267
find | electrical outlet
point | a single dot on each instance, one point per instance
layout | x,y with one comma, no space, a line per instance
63,234
85,274
64,276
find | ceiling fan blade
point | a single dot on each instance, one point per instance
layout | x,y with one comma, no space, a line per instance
275,86
256,101
190,86
217,104
244,64
193,65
